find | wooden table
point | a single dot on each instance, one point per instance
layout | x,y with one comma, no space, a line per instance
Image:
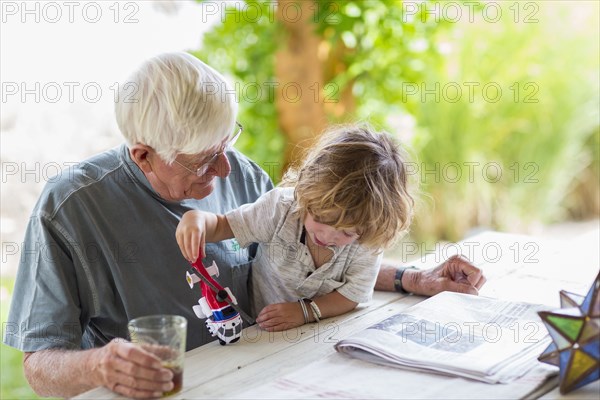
262,358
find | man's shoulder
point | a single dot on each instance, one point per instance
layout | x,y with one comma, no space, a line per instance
78,178
246,182
244,168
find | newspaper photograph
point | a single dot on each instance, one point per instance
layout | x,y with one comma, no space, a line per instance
475,337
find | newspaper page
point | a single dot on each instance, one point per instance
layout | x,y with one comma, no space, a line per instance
338,377
486,339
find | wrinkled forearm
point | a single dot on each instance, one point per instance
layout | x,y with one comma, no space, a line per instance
387,274
60,373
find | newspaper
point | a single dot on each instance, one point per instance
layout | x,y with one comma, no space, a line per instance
489,340
336,376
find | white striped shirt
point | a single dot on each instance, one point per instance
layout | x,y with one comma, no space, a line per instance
283,270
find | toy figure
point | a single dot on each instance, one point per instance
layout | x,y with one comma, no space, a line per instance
217,304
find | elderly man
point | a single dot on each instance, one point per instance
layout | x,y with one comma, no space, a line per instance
100,247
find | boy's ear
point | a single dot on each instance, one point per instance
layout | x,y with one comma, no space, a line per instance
139,154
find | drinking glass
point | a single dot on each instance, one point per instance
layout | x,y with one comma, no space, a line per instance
164,336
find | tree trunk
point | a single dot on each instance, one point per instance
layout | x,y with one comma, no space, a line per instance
303,66
299,72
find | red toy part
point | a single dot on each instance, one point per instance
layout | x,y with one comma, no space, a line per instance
207,292
217,304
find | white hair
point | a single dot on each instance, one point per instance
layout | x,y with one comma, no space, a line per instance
175,103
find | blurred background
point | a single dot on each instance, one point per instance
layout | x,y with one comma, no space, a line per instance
497,101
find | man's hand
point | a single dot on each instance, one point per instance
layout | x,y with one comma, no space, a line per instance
120,366
129,370
280,316
456,274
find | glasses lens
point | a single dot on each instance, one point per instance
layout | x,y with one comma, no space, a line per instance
201,170
209,163
236,134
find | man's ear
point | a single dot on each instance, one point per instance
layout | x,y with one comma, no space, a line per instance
140,153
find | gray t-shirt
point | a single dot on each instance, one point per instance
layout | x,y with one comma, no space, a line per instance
100,249
283,270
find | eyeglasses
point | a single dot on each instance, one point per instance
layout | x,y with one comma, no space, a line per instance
201,168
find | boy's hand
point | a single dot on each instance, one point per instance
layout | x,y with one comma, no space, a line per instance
280,316
191,235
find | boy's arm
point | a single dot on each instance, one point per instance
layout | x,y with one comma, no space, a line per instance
332,304
196,228
217,228
282,316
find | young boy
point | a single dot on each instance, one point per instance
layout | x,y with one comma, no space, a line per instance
321,233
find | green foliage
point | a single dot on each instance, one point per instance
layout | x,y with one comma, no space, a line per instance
380,56
244,48
528,144
388,45
13,384
519,152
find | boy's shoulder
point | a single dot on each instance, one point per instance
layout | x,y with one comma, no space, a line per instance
280,194
279,203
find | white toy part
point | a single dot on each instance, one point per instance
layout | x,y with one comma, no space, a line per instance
191,279
202,309
213,270
206,310
212,328
228,331
231,296
198,311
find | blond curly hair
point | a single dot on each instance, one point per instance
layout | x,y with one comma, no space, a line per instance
355,178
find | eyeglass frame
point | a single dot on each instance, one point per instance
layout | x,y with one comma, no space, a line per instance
201,170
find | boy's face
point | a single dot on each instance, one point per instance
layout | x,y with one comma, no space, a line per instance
326,235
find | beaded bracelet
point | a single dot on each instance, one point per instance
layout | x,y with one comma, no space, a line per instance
398,279
315,309
304,310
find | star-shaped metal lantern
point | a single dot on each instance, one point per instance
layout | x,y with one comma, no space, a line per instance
575,332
